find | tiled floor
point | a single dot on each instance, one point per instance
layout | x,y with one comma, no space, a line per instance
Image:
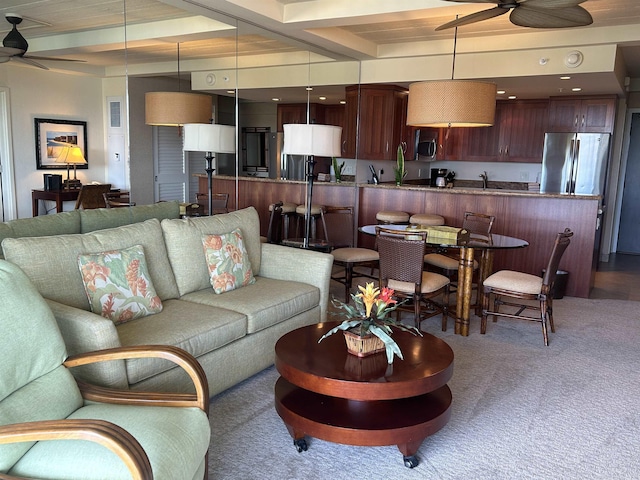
619,278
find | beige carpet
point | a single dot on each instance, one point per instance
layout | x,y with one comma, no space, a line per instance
520,410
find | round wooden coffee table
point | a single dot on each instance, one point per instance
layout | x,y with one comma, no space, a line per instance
327,393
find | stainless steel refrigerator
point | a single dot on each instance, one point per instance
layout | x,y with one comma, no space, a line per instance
575,163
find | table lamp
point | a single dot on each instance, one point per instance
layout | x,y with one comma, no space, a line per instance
311,140
71,155
209,138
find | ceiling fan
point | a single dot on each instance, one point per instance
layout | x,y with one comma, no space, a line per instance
529,13
15,46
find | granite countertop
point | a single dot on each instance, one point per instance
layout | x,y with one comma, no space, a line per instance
499,188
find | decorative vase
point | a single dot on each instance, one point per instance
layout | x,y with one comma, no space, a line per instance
363,346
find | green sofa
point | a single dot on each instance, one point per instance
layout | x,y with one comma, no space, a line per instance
231,334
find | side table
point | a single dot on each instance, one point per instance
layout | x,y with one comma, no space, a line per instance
58,196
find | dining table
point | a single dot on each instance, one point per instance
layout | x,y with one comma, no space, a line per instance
467,244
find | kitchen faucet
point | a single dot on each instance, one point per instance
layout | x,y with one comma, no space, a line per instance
485,179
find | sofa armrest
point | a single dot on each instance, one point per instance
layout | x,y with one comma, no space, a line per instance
296,264
85,331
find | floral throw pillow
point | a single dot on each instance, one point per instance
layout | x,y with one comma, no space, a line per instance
227,260
118,285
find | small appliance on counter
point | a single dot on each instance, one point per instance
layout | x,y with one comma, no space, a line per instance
439,177
449,179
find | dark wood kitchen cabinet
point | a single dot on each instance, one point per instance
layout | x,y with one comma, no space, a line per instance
517,134
297,113
380,115
582,114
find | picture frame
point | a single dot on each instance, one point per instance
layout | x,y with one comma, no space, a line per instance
52,135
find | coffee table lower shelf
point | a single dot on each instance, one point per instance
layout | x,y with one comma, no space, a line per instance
404,422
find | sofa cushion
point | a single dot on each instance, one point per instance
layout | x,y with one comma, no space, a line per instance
118,285
227,260
43,225
196,328
51,263
101,218
265,303
184,245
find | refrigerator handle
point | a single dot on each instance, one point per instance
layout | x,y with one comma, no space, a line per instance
567,187
574,166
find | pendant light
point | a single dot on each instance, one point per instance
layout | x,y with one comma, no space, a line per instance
451,103
176,108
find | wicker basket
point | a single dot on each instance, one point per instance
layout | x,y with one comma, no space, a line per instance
363,346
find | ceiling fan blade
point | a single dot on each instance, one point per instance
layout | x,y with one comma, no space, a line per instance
576,16
474,17
475,1
10,51
35,57
550,4
31,62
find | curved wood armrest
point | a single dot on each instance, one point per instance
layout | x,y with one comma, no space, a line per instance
174,354
110,436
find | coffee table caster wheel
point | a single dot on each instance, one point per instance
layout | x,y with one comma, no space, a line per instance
301,445
411,461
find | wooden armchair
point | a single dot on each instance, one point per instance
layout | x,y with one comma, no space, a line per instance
117,199
153,435
92,196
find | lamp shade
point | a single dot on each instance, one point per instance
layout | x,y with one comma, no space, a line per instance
451,103
176,108
71,155
207,137
312,139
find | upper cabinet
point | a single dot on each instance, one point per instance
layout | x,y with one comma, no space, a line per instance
517,134
381,122
582,114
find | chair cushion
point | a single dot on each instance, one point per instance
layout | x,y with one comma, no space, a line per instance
445,262
118,285
174,439
227,260
430,283
426,219
391,216
260,304
518,282
354,255
315,209
184,245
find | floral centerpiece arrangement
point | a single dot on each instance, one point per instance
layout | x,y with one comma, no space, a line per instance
370,316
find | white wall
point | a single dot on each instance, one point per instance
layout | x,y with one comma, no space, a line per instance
37,93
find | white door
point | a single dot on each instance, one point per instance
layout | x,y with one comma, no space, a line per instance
170,168
8,206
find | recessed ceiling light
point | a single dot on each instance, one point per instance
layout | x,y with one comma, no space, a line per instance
577,89
322,98
275,99
512,97
501,92
566,77
309,89
231,92
343,102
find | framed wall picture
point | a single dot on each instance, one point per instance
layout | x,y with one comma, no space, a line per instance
52,136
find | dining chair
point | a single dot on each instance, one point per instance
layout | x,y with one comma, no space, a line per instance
56,425
117,199
401,268
524,286
92,196
340,225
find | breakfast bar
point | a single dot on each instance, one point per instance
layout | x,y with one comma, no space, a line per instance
532,216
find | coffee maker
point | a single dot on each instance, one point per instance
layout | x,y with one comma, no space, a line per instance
438,177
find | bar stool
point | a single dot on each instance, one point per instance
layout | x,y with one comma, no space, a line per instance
387,217
288,210
316,211
426,219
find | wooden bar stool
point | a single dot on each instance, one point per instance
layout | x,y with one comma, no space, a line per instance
426,219
388,217
288,210
317,211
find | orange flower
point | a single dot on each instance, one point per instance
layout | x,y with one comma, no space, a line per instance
92,272
386,296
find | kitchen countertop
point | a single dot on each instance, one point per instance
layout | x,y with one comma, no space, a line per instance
423,187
